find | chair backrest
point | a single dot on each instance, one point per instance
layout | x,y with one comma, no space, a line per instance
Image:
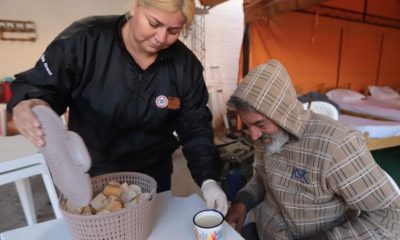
3,119
391,180
19,160
324,108
14,147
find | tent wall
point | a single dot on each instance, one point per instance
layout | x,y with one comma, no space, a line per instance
325,50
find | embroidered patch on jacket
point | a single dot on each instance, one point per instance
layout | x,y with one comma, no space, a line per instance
162,101
174,103
299,175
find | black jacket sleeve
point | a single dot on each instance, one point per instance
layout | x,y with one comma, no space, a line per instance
194,126
51,79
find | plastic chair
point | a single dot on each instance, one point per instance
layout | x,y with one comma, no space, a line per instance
19,160
391,180
3,119
323,108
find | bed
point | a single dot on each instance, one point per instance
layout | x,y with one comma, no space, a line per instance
383,104
376,114
379,134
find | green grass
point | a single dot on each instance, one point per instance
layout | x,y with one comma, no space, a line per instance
389,160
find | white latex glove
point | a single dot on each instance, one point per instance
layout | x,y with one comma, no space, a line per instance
214,196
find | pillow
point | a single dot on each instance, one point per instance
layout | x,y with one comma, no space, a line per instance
341,94
383,92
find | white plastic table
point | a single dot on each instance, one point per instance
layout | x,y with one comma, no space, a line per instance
173,219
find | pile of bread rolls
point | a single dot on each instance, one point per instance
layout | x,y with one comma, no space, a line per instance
114,196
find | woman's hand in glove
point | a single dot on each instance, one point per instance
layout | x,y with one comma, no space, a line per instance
214,196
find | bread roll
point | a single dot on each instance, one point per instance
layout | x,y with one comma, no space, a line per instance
112,190
113,204
128,195
87,211
72,208
99,201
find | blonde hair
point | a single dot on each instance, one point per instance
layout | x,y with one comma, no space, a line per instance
187,7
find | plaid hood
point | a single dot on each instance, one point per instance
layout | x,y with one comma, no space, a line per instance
268,88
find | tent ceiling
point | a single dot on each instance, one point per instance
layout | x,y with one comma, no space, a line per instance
384,13
211,3
259,9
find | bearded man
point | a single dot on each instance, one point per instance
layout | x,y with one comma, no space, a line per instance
314,177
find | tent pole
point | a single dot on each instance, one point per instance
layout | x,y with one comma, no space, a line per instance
365,10
378,71
339,57
246,49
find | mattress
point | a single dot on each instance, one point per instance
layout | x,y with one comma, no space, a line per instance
389,110
375,128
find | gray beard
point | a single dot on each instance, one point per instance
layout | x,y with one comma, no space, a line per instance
277,141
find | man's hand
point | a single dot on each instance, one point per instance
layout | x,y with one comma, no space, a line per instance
214,196
236,215
26,122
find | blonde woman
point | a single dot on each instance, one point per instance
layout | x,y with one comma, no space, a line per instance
129,83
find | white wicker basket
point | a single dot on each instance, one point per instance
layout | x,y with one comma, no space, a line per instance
132,223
